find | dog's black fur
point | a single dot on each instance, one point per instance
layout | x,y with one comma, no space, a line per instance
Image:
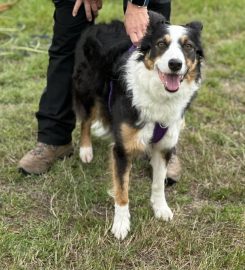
101,91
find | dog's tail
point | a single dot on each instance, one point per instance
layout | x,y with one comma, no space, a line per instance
100,130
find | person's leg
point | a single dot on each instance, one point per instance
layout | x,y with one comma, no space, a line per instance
55,116
56,119
161,6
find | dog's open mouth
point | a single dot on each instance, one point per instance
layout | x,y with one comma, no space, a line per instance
171,82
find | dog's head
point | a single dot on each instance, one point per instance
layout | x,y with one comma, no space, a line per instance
173,51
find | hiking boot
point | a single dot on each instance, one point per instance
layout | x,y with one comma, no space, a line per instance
173,170
42,157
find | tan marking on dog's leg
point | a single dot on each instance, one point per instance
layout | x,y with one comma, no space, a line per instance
86,150
130,138
174,167
120,182
121,166
85,140
121,223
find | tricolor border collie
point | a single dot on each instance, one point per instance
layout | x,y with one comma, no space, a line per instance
140,95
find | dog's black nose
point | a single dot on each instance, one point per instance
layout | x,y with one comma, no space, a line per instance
175,64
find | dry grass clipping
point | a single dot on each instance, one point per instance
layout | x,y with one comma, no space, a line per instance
6,6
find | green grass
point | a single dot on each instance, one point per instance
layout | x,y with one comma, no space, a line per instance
62,220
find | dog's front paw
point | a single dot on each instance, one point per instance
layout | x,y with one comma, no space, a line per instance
121,228
121,223
162,211
86,154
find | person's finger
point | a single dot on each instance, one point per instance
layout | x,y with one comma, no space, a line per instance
140,35
134,38
94,8
95,13
99,4
88,10
144,28
76,7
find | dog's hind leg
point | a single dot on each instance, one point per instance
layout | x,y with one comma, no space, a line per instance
158,200
121,165
86,149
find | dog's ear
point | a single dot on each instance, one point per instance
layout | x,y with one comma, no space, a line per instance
155,20
195,25
92,47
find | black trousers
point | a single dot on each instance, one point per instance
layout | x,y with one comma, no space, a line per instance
56,119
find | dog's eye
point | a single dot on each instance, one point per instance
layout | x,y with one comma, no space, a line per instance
188,46
162,44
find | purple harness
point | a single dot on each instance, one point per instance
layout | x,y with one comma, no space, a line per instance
159,131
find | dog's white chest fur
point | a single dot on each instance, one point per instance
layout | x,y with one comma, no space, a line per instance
149,96
155,104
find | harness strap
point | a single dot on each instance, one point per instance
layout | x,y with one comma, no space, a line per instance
110,95
158,133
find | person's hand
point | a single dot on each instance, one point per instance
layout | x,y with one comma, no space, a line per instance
91,8
136,20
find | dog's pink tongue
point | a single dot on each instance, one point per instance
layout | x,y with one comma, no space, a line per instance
172,82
